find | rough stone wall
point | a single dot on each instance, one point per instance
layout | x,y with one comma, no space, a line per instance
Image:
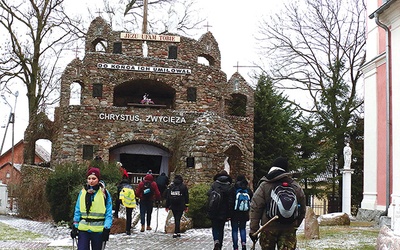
208,133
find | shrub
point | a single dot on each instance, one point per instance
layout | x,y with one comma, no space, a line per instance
31,193
198,205
65,183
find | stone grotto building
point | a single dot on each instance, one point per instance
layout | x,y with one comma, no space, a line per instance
146,101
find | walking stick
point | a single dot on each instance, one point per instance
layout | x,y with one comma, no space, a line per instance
262,228
158,206
104,245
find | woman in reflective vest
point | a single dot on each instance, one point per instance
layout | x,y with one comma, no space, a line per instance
93,213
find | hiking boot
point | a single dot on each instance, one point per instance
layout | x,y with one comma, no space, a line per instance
128,232
142,228
175,236
179,235
148,228
217,246
243,245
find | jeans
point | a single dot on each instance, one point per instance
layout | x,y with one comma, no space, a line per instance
85,238
217,227
146,207
238,226
128,218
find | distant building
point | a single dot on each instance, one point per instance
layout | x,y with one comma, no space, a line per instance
11,175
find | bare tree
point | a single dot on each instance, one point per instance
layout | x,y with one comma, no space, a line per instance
318,46
37,33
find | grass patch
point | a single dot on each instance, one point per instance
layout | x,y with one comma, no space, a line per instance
357,236
10,233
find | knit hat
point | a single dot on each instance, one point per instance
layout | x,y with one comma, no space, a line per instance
281,162
93,171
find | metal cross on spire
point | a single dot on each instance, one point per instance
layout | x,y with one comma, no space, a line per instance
207,26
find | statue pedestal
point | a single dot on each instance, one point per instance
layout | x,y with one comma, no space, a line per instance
346,190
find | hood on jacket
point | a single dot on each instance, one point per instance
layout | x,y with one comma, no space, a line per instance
223,176
178,180
149,177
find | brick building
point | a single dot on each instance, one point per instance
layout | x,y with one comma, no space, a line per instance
146,101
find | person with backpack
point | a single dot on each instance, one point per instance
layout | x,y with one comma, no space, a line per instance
177,201
93,213
220,202
128,200
242,195
162,184
277,194
147,192
125,177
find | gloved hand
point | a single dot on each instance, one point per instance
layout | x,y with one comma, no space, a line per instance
74,232
254,238
106,234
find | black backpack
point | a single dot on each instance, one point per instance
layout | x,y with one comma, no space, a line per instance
147,190
214,200
283,202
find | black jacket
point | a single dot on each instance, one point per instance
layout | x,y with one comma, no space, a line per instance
183,201
223,184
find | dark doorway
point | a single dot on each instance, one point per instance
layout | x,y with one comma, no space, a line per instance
136,163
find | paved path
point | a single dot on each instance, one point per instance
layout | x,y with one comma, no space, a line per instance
194,239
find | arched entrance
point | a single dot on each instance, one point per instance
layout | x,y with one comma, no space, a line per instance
139,158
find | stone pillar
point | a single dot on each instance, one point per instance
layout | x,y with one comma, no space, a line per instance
346,190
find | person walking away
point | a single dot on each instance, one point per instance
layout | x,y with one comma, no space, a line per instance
128,200
93,213
162,184
277,186
125,176
242,195
220,206
147,192
178,201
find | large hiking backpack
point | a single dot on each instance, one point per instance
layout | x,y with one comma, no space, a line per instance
283,203
175,195
147,190
242,201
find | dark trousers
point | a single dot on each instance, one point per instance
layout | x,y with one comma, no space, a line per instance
177,217
146,208
85,238
128,218
217,227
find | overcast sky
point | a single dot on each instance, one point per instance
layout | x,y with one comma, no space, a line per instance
234,25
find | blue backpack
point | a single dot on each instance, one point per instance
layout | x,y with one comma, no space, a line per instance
242,201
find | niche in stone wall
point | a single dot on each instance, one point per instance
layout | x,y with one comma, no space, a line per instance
75,94
237,105
144,93
233,162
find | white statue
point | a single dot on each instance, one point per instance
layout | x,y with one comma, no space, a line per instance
347,156
145,49
227,167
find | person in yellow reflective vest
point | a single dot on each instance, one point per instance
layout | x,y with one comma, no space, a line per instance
128,200
93,213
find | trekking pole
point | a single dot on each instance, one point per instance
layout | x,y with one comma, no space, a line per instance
103,246
262,228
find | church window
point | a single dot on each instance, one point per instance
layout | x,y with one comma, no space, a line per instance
75,94
191,94
237,105
88,152
97,90
172,52
117,48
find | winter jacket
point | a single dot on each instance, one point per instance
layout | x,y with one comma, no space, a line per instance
179,190
156,193
262,195
162,183
240,215
223,184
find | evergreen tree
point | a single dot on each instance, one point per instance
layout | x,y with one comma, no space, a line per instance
275,122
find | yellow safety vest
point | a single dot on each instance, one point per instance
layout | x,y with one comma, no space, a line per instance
94,221
127,196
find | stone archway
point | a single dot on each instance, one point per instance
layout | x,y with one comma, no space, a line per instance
234,161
